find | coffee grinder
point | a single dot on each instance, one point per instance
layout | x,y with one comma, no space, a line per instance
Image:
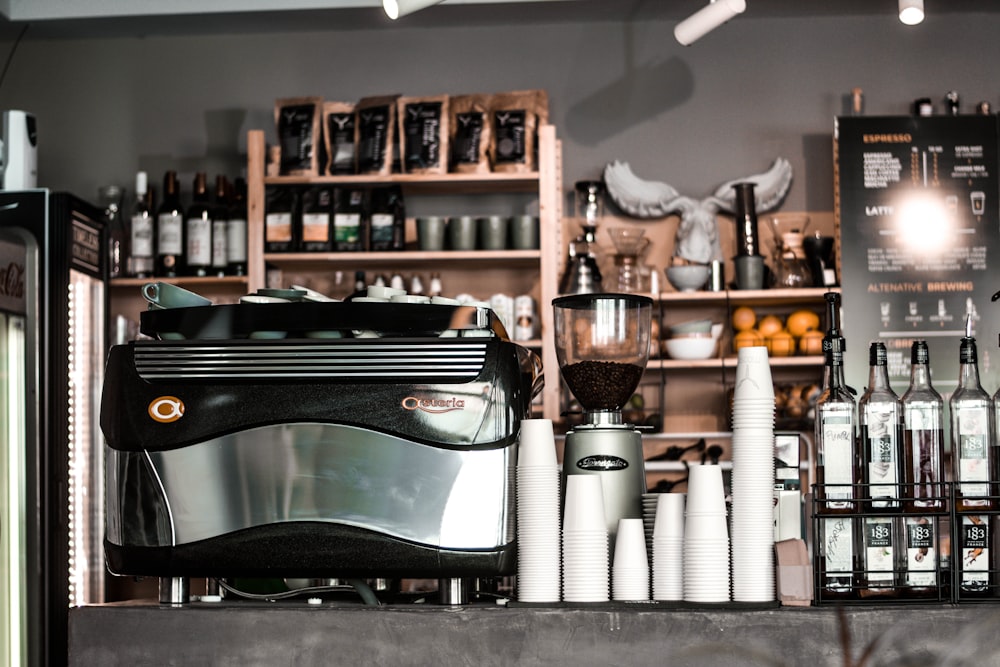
602,345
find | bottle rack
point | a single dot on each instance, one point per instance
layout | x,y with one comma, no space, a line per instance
948,522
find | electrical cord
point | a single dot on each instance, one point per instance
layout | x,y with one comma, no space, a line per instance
356,585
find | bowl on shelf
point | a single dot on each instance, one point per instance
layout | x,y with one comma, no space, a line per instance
691,327
688,277
691,347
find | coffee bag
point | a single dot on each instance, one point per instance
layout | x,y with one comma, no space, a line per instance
423,134
515,119
470,132
340,137
376,132
297,120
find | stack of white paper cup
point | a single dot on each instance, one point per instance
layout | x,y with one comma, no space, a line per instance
753,478
585,541
668,547
538,548
706,537
649,503
630,568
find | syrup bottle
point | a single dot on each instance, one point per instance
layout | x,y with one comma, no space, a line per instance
881,417
923,477
836,465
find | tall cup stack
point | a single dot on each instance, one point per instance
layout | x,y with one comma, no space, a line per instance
706,537
752,534
538,547
586,572
668,547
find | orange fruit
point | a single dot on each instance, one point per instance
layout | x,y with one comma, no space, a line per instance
744,318
811,342
770,325
781,344
801,321
747,338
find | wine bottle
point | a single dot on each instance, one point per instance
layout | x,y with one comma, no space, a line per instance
198,230
110,198
836,465
236,230
170,229
220,221
881,442
923,477
142,230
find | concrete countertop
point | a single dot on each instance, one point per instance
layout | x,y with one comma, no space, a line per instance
296,633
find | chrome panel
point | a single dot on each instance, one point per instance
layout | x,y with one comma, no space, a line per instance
334,473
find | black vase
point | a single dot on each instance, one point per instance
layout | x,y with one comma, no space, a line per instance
747,239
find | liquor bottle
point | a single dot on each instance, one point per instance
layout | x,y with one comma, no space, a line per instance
972,457
923,477
881,443
170,229
236,230
198,230
971,431
142,230
110,198
836,465
220,222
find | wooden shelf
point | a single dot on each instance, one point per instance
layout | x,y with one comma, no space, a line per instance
729,363
426,183
749,297
181,280
399,258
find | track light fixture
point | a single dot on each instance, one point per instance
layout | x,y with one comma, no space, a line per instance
707,19
397,8
911,12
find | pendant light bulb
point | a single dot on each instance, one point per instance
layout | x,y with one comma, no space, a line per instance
395,9
911,12
707,19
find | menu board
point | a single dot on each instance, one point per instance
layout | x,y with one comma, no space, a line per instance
918,211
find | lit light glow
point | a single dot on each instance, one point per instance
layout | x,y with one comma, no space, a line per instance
911,12
924,225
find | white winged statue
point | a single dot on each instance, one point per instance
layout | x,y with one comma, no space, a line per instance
698,233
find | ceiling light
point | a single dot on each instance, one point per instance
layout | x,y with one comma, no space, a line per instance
396,8
911,12
707,19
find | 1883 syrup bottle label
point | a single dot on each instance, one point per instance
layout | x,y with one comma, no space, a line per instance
921,557
973,462
879,552
975,544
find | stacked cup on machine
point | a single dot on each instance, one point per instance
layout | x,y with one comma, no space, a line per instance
668,547
706,537
585,541
537,513
753,478
630,568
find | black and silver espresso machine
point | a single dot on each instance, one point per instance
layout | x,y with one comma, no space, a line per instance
315,440
602,344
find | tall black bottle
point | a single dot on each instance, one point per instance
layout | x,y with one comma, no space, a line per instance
198,230
170,229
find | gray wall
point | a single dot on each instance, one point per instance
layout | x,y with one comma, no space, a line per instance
694,117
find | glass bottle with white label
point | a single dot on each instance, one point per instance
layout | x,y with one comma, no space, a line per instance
836,465
170,229
142,230
971,433
881,439
198,230
923,476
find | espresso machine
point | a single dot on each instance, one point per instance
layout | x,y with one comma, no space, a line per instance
602,345
314,440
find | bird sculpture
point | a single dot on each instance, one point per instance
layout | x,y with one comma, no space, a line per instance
697,234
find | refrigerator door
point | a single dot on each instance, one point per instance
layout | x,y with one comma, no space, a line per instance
18,448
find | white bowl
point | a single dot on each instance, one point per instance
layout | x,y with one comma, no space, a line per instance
690,347
688,277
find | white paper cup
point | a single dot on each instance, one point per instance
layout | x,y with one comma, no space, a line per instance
584,504
536,443
753,374
705,490
630,545
669,516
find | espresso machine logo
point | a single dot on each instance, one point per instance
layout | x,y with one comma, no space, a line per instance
166,409
433,406
601,463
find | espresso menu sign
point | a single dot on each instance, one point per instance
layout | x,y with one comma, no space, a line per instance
918,210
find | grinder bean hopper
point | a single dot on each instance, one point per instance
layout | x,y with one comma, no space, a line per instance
602,345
